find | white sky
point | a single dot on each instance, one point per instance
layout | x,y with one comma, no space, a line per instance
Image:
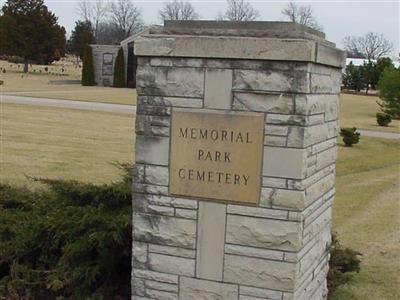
339,18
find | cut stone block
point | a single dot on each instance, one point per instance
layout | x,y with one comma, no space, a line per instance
195,289
164,81
152,150
171,264
272,103
259,272
218,89
283,162
164,230
260,293
210,240
263,233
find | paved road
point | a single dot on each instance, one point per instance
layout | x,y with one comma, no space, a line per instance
379,134
127,109
96,106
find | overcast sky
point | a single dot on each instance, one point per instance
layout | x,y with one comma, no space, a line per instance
339,18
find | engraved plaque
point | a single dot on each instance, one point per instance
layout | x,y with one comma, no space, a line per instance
216,155
108,59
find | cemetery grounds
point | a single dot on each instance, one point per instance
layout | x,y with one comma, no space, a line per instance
75,144
60,80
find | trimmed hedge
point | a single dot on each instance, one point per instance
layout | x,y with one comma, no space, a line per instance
383,119
88,68
350,136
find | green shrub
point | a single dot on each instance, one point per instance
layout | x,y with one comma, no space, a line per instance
119,70
389,92
342,262
70,240
88,69
350,136
383,119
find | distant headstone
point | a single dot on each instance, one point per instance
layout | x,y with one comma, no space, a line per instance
235,154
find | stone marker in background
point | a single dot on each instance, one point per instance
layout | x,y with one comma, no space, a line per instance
103,63
235,161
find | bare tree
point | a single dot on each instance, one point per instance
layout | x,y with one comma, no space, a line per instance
178,10
239,10
371,46
126,17
94,12
106,34
303,15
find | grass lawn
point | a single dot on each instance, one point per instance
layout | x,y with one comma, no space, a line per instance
72,144
62,143
37,84
356,110
360,111
366,216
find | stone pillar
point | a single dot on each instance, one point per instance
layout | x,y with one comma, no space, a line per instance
235,161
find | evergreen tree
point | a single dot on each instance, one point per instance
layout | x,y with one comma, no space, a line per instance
352,78
81,36
381,65
29,30
119,70
365,76
70,240
389,92
372,71
369,75
88,69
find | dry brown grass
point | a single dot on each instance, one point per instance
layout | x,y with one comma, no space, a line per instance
73,144
366,215
356,110
62,143
360,111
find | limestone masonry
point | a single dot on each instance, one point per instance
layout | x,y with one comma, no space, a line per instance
196,234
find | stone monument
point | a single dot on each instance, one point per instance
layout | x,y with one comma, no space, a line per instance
236,132
103,63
